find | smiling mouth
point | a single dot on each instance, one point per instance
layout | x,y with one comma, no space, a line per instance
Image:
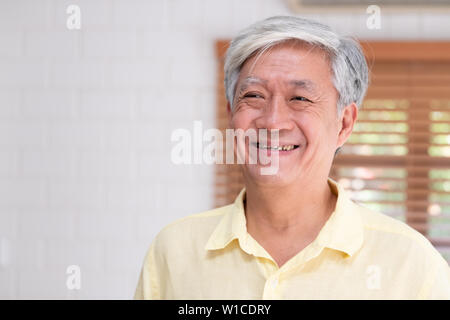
286,147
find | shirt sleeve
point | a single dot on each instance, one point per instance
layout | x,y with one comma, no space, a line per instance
147,287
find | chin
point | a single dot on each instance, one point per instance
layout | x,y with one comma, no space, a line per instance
282,177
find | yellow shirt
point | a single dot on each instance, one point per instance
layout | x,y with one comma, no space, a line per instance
358,254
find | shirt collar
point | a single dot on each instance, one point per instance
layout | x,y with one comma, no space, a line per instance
343,231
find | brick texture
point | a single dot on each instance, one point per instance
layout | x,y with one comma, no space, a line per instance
85,123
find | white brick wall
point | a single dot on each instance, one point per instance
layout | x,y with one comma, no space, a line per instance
85,124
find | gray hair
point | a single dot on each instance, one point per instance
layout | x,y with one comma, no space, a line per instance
349,67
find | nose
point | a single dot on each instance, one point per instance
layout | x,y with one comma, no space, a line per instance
275,115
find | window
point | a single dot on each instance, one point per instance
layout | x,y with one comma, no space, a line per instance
397,160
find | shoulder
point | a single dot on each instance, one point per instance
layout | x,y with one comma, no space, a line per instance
395,235
190,231
384,224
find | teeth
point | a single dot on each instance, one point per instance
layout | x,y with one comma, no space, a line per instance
279,148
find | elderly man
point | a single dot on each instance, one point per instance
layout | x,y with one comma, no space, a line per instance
294,234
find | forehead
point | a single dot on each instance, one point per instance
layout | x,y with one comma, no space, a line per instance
290,60
302,84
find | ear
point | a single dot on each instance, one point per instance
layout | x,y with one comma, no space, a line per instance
346,123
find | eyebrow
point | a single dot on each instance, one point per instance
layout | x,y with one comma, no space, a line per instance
249,81
303,84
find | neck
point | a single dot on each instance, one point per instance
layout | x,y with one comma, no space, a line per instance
300,209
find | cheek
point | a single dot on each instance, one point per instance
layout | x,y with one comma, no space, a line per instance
317,130
237,122
310,123
241,119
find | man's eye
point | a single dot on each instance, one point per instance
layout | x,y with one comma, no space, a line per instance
300,98
252,95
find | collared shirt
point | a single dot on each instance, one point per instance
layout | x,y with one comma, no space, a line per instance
358,254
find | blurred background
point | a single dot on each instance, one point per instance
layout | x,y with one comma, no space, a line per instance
87,112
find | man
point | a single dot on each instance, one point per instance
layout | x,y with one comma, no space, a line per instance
294,234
